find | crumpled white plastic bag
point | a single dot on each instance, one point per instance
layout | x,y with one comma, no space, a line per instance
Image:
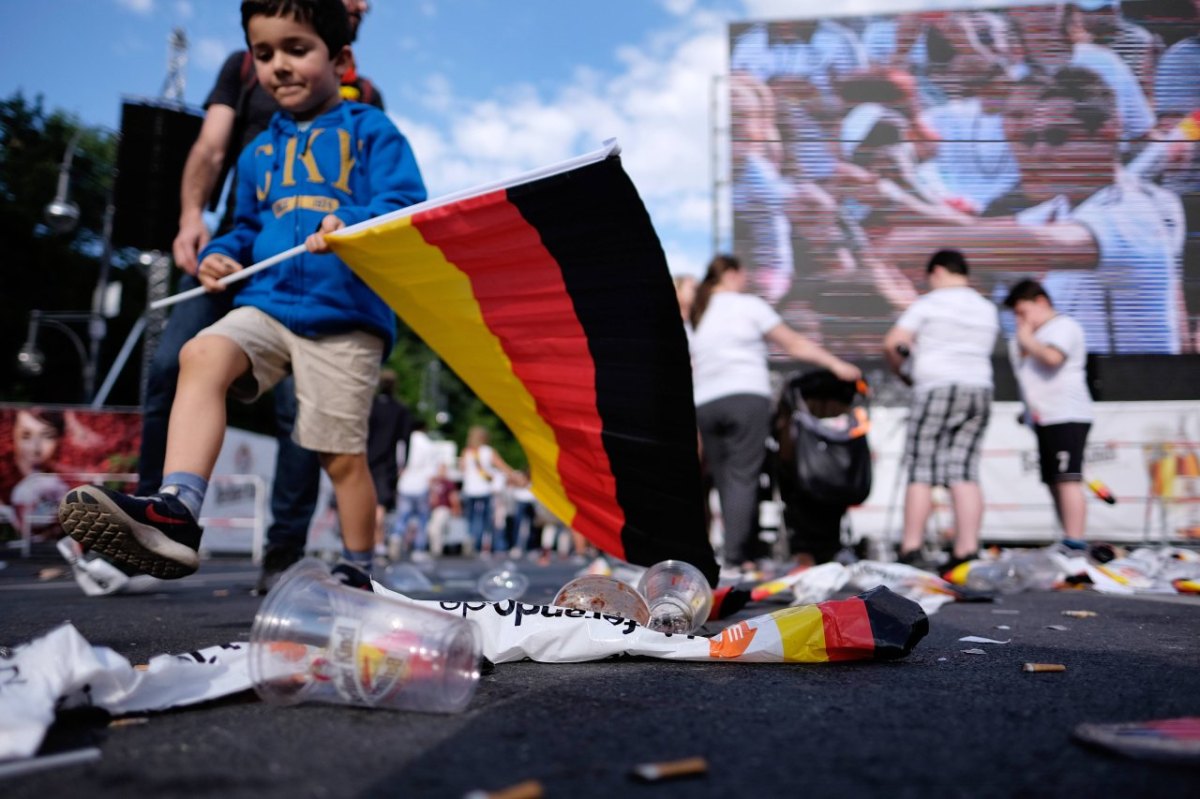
62,670
98,577
512,630
822,582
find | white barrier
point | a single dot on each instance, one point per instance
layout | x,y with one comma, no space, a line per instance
1146,453
234,516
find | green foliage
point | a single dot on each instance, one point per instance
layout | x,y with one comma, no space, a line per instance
58,272
428,391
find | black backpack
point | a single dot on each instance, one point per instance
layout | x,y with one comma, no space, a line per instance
822,425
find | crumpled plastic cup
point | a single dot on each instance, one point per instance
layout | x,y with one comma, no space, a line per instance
600,594
678,596
315,639
506,582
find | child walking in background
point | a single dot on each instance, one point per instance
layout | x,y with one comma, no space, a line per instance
322,164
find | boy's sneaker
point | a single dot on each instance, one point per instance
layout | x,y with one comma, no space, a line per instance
352,576
153,535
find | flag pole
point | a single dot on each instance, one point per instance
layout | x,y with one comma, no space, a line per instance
608,149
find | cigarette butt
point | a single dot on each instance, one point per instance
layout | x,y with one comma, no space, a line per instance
530,789
129,722
687,767
221,592
1043,667
1080,614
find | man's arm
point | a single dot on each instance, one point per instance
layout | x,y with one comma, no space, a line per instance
997,244
200,175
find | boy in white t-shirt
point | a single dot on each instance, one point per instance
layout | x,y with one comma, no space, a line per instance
949,334
1048,355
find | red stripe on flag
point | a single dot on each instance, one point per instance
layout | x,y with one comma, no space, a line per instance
524,302
848,633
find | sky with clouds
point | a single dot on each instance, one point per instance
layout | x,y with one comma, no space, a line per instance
483,88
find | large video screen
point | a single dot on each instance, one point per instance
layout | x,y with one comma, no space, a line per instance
1059,142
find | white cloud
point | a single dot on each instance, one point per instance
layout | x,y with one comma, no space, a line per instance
791,9
678,7
210,53
137,6
657,106
184,9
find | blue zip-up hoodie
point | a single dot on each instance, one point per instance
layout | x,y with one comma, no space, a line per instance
352,162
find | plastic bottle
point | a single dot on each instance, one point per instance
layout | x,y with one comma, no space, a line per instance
999,576
1037,570
1034,570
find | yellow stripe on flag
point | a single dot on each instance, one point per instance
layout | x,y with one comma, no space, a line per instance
435,299
802,631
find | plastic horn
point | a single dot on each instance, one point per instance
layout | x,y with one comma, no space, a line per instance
1101,491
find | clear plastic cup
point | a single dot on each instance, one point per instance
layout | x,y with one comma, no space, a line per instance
405,579
317,640
678,596
600,594
506,582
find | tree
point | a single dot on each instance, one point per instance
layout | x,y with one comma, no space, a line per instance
410,361
56,272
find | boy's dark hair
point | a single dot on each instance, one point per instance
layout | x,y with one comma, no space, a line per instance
951,260
1094,101
327,17
1026,290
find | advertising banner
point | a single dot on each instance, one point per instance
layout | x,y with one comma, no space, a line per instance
46,449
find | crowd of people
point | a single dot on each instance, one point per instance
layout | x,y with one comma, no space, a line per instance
1049,140
1024,137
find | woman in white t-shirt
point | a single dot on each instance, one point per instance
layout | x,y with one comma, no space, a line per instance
481,466
730,332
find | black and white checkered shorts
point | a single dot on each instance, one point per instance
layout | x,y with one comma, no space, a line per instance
945,434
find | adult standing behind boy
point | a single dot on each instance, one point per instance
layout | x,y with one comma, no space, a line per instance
949,333
321,164
238,108
1049,356
387,426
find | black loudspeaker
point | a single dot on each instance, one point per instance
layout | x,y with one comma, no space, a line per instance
155,140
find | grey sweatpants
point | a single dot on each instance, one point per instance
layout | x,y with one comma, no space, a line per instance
733,431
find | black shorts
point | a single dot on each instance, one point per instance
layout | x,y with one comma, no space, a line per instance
1060,451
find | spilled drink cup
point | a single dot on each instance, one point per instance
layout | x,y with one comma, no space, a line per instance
317,640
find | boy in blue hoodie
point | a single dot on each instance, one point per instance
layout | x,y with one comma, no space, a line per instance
322,164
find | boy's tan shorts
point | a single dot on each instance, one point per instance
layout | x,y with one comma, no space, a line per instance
336,376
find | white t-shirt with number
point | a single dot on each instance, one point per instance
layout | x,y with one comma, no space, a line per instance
729,353
955,332
1055,395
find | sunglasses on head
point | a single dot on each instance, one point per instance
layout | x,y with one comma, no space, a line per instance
1055,136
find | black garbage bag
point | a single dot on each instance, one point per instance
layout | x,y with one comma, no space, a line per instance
823,456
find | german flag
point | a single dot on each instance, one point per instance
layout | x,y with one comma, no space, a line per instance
875,625
552,300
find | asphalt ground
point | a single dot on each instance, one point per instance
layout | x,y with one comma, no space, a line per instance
940,722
